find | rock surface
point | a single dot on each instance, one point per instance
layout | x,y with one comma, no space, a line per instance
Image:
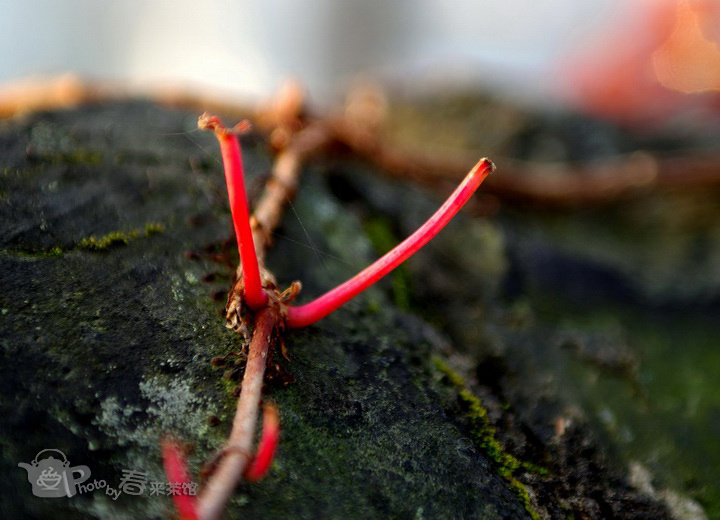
410,402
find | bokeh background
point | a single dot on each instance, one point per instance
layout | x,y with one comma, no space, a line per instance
604,55
628,288
250,47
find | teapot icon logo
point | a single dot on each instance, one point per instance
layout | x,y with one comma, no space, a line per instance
52,477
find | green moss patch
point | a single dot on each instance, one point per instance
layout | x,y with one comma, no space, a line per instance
119,238
483,433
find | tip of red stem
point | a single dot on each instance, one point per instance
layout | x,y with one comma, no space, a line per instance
267,446
485,163
176,471
210,122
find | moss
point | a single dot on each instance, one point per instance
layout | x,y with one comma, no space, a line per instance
75,157
483,433
79,157
536,469
452,376
373,306
119,238
154,228
35,253
383,240
112,239
522,493
93,243
21,172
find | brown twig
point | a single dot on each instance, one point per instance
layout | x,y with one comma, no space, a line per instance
65,91
552,185
237,453
557,185
283,182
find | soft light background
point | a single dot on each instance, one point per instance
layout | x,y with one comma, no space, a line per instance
249,47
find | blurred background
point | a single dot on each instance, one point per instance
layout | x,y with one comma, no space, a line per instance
250,47
560,51
628,286
563,51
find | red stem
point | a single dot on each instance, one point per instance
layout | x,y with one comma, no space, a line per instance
304,315
267,446
176,471
255,296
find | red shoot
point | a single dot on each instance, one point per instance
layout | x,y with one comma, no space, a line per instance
268,318
176,471
267,446
304,315
255,296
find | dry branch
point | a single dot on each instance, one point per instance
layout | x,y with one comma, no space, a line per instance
238,450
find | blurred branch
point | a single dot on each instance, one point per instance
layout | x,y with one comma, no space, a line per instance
563,185
296,136
558,185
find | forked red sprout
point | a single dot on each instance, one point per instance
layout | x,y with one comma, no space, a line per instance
304,315
270,312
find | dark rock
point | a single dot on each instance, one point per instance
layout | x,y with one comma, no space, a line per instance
113,237
107,348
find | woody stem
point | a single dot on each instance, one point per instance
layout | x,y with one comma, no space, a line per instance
219,488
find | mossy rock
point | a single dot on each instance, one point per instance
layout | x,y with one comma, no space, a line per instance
114,234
